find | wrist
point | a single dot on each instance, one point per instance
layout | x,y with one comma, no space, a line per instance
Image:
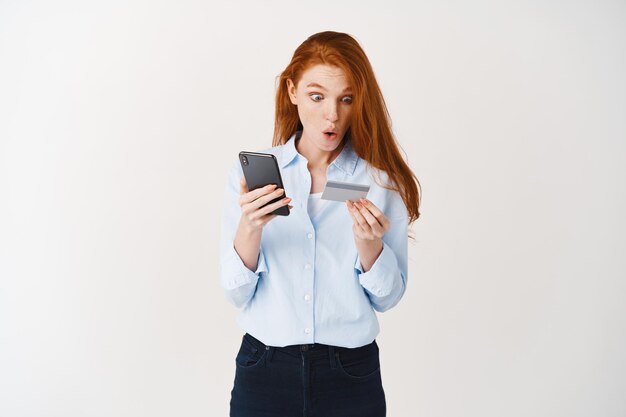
369,251
369,243
248,230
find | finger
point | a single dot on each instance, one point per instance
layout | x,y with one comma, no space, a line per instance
243,186
361,229
254,194
351,210
367,214
360,232
382,219
271,207
264,199
377,228
356,228
359,217
350,205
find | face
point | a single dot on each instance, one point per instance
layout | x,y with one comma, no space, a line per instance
324,101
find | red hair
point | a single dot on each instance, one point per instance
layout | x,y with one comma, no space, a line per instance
370,127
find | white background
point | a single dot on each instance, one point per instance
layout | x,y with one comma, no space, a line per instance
119,120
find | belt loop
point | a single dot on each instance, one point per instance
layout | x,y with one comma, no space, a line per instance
270,353
332,355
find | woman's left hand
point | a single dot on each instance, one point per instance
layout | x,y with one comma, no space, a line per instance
369,222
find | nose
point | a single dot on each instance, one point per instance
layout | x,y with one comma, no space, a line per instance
331,112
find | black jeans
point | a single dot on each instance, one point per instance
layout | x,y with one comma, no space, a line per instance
306,381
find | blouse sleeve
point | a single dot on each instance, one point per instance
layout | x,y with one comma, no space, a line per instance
238,282
385,282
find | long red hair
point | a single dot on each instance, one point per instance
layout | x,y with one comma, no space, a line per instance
370,128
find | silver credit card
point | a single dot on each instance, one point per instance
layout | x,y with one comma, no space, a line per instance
342,191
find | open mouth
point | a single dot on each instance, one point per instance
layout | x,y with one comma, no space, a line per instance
330,135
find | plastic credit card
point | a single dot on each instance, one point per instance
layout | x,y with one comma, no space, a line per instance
342,191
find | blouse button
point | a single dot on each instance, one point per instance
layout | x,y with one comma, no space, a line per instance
310,235
307,266
307,297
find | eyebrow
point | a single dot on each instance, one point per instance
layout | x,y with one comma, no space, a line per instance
345,90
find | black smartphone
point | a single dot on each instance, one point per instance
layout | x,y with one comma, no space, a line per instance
261,169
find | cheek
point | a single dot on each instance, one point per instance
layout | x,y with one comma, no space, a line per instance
305,110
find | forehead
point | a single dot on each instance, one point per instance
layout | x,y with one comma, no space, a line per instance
330,77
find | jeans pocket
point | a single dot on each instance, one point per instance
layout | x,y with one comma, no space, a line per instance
361,364
249,355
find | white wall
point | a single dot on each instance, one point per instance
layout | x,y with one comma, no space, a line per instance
118,121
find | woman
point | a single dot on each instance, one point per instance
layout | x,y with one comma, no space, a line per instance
309,283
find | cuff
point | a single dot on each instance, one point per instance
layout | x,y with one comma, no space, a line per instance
379,280
241,274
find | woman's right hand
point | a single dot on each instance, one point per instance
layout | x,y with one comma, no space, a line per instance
253,216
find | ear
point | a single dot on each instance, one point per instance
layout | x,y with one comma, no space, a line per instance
291,90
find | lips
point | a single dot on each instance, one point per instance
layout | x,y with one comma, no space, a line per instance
331,134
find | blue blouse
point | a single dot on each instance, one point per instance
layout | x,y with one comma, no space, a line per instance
309,285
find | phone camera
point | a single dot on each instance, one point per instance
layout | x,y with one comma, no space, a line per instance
244,160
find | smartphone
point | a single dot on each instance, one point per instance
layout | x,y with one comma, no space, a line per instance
261,169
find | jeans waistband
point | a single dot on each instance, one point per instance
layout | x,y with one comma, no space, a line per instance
303,347
295,348
313,349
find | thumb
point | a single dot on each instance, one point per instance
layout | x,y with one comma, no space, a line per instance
243,186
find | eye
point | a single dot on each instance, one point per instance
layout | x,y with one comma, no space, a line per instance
315,97
346,99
